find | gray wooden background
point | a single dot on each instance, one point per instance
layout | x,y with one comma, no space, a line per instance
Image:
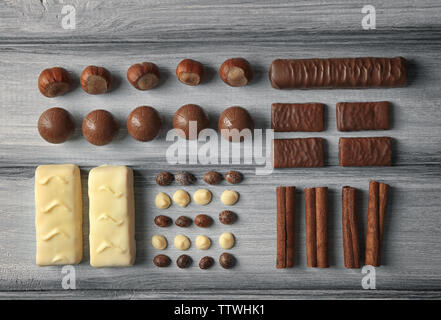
116,34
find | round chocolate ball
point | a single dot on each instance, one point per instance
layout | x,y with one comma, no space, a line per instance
56,125
235,118
99,127
187,113
143,123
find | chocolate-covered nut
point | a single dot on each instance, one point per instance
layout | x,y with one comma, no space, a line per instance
183,222
54,82
56,125
161,260
99,127
203,221
185,178
227,217
95,80
186,114
227,260
206,262
163,221
232,121
144,123
164,178
184,261
233,177
212,177
143,76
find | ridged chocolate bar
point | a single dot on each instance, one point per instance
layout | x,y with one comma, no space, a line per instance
361,152
356,116
288,117
291,153
364,72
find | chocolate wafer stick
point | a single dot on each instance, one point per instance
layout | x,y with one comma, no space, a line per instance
370,151
375,225
316,214
285,226
356,116
351,244
300,152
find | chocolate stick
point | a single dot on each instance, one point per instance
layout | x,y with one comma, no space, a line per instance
311,253
289,223
321,207
281,228
351,244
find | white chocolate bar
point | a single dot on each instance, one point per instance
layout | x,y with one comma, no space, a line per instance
112,216
58,215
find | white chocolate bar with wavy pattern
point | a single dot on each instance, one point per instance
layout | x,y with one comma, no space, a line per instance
111,216
58,215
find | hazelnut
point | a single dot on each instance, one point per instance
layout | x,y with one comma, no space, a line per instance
227,217
226,260
183,222
236,72
206,262
212,177
190,72
54,82
95,80
164,178
143,76
203,221
161,260
233,177
163,221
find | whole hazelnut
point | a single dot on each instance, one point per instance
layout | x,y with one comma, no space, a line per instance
161,260
164,178
206,262
233,177
190,72
143,76
212,177
183,222
236,72
227,260
95,80
163,221
203,221
56,125
99,127
54,82
184,261
227,217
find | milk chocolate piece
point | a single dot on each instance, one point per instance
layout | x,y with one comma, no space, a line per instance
99,127
304,152
189,120
58,215
361,152
356,116
112,216
56,125
288,117
232,121
144,123
366,72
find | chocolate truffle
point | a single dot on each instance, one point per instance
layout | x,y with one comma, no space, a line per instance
235,118
143,123
99,127
182,118
56,125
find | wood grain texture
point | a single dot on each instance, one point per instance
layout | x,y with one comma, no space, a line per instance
116,36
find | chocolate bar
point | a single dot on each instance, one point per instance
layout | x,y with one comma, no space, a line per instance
356,116
301,152
361,152
288,117
285,226
366,72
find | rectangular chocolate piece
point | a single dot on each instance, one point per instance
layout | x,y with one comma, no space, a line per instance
288,117
300,152
285,226
58,215
366,72
361,152
356,116
112,216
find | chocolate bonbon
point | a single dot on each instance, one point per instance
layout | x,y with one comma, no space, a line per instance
99,127
189,120
331,73
356,116
287,117
232,121
370,151
144,123
300,152
56,125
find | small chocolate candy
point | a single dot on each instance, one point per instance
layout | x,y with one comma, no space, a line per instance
144,123
163,221
203,221
186,114
233,177
183,222
212,177
185,178
99,127
232,121
161,260
206,262
226,260
184,261
56,125
164,178
227,217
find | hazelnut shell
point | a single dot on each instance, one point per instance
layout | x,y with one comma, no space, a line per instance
190,72
236,72
143,76
95,80
54,82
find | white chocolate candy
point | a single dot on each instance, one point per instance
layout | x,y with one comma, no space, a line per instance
112,216
159,242
226,240
182,198
202,197
162,201
58,215
182,242
203,242
229,197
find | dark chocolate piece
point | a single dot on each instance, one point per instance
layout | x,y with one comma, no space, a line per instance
303,152
356,116
232,121
366,72
288,117
361,152
143,123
